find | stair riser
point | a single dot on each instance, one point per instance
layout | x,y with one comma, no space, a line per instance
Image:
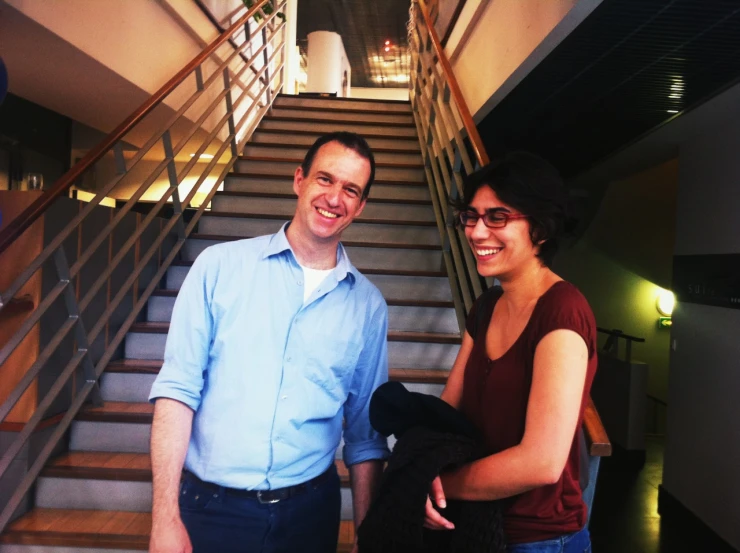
391,259
308,139
378,130
411,319
119,437
128,387
386,234
328,103
287,169
402,355
354,117
287,206
299,152
104,495
285,186
114,495
412,288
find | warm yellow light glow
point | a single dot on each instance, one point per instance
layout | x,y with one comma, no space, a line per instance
203,156
665,302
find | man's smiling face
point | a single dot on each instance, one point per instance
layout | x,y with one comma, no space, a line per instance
330,195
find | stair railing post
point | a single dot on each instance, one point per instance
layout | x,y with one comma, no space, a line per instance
81,337
230,111
174,184
268,83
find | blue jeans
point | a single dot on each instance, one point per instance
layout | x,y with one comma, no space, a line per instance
218,522
579,542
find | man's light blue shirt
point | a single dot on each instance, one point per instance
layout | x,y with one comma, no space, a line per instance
272,379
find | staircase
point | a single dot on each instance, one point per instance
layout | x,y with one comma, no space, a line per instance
97,496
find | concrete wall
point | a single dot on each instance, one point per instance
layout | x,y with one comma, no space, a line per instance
495,43
625,259
703,444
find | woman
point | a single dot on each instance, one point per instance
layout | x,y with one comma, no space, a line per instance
526,363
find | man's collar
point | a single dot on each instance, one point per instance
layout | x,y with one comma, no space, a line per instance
279,243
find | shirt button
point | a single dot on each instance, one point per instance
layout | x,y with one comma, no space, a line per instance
288,358
284,397
299,283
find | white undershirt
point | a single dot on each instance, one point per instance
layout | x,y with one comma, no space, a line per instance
312,278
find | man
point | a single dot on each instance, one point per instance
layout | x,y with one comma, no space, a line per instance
276,343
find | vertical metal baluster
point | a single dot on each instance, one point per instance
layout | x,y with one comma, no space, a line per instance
88,370
172,175
268,83
199,78
230,111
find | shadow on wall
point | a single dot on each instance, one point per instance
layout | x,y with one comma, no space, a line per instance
625,259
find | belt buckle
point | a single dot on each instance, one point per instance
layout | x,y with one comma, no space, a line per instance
265,501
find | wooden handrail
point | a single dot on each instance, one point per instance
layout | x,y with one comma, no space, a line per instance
596,438
462,106
39,207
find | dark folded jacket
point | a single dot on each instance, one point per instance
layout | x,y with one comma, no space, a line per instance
431,437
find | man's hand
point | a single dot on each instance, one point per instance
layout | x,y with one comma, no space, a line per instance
170,537
432,519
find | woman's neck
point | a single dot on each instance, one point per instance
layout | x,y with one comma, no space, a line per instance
524,288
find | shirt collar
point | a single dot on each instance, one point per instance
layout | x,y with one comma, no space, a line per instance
279,243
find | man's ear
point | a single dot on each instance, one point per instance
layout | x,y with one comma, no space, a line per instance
298,180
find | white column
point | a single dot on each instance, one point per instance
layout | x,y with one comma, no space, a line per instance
291,52
327,63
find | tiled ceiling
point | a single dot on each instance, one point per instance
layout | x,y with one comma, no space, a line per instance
364,26
628,68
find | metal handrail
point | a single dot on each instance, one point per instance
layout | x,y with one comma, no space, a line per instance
223,92
441,115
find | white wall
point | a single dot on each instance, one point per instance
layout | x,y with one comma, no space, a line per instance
327,62
381,93
497,42
702,456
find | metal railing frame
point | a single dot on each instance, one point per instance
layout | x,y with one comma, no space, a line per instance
231,70
439,113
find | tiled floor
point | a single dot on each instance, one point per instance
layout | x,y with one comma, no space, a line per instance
625,514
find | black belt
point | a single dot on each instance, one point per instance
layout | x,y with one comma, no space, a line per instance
263,496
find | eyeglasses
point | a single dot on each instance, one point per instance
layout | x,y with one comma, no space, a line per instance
492,218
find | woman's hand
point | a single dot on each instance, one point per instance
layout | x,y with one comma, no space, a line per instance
432,519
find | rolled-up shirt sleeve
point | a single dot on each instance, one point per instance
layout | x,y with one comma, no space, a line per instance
189,337
361,441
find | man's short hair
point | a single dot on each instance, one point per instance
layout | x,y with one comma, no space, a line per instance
349,140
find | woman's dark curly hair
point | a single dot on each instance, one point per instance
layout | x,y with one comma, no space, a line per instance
533,187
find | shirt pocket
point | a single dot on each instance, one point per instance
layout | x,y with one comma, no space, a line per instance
331,363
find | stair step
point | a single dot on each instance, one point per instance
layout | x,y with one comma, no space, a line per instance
228,204
430,285
323,126
239,225
153,366
339,120
118,411
307,137
386,256
286,176
386,173
342,116
67,530
132,467
292,196
391,302
394,336
400,106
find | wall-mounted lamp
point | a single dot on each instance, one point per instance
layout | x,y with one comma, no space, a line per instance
665,302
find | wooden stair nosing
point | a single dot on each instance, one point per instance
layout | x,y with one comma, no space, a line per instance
346,110
360,219
153,366
92,466
411,125
317,134
403,151
393,335
78,528
273,176
341,99
165,293
378,165
348,243
365,271
292,196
